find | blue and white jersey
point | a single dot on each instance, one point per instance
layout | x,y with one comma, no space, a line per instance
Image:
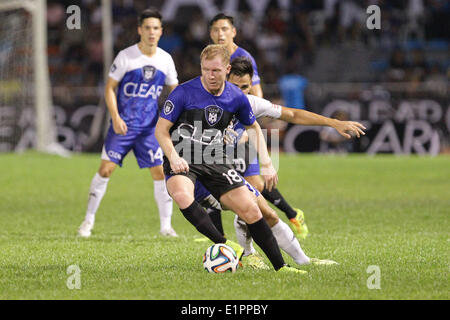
141,80
244,53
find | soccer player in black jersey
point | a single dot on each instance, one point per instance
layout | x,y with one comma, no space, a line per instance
190,131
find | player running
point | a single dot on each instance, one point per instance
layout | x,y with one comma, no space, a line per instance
190,131
139,74
241,75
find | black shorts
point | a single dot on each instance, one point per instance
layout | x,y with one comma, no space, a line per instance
245,158
217,178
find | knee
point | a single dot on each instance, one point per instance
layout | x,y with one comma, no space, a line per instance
257,183
106,168
182,198
268,213
157,173
105,172
270,216
252,214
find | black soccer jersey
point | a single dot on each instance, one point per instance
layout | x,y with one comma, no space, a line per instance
201,118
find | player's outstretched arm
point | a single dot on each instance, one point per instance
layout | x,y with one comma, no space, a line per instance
349,128
162,134
119,125
268,172
303,117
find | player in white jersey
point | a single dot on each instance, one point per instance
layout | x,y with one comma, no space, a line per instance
139,74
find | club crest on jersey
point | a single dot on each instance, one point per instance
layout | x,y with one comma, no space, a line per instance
213,114
168,107
149,72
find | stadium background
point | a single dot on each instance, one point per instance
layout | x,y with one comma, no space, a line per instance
362,211
314,54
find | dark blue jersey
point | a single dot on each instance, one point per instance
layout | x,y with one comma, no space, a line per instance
200,118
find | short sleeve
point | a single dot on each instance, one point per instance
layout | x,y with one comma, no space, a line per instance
172,76
174,105
119,67
263,107
245,113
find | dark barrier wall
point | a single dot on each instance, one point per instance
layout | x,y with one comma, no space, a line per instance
395,125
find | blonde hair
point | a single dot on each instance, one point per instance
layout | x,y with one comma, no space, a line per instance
214,50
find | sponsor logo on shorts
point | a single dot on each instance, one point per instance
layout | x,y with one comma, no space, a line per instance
114,155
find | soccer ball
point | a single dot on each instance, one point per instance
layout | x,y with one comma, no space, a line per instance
220,258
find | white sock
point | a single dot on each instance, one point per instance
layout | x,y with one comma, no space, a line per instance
243,236
164,202
96,193
289,243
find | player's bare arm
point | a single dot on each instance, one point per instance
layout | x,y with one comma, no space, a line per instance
303,117
119,125
177,163
240,75
268,172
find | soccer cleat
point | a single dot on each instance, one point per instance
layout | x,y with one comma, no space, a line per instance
203,239
254,261
236,247
168,233
322,262
298,225
85,229
288,269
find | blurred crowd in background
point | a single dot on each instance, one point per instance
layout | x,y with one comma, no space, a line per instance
324,41
314,54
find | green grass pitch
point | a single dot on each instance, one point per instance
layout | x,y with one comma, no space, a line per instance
384,211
